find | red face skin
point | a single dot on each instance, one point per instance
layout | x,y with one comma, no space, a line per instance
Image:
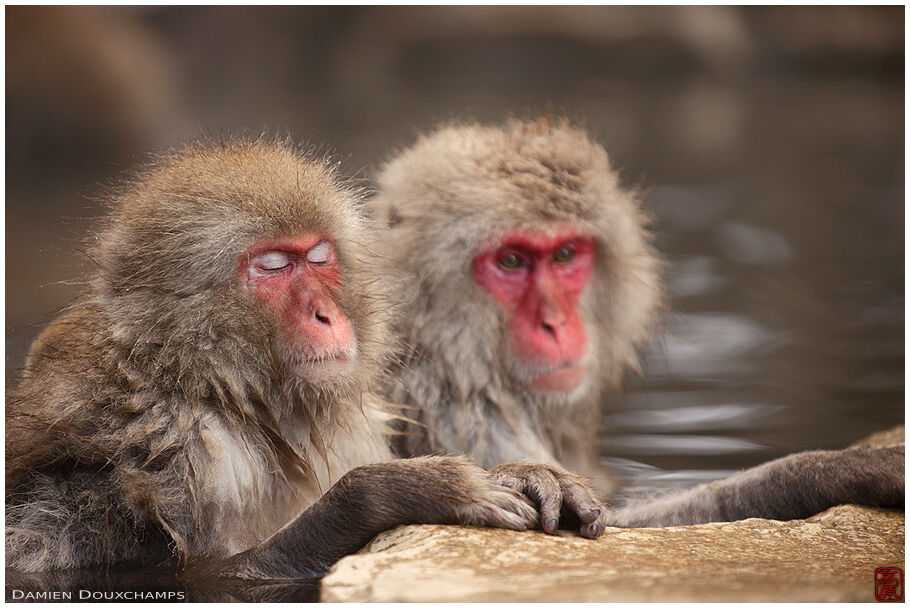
538,279
296,278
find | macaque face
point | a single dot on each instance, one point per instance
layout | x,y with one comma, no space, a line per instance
297,278
538,279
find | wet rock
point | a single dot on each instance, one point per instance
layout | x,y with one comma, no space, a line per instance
829,557
882,439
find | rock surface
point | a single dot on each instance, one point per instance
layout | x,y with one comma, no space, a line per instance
882,439
829,557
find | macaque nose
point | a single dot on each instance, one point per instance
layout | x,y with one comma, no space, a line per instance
549,328
552,320
327,326
326,316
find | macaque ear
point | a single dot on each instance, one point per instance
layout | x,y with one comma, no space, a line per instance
394,218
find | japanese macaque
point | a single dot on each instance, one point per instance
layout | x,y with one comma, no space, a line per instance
527,282
203,405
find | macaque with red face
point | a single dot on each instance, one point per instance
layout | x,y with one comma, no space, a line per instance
528,281
203,406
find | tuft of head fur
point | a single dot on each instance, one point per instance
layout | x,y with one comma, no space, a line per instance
161,404
448,198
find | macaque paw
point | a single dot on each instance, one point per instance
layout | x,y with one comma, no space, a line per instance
499,507
495,505
556,493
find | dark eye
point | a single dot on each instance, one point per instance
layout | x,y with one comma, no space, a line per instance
510,261
564,255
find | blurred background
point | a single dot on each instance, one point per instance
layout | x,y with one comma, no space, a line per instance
768,141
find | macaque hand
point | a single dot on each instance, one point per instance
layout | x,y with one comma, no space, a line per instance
556,492
493,504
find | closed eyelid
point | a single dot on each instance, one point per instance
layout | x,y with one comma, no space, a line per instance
321,253
271,260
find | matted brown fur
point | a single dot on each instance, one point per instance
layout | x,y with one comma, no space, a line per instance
154,419
446,199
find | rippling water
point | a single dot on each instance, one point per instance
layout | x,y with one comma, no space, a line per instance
763,354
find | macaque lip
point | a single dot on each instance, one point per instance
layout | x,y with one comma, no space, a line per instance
563,380
325,371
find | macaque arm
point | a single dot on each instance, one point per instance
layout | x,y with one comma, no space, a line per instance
377,497
793,487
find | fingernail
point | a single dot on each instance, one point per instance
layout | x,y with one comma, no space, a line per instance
595,530
551,524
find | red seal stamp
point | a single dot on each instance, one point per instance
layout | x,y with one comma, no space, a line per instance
889,584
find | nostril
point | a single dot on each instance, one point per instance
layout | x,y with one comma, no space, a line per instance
549,329
323,319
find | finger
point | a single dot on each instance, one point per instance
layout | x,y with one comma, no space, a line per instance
544,488
501,517
581,501
499,507
520,505
510,481
595,528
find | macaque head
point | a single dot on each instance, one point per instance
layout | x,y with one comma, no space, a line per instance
524,263
245,256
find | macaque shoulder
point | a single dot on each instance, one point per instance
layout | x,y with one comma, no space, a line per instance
64,343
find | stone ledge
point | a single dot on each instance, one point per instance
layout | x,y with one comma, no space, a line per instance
829,557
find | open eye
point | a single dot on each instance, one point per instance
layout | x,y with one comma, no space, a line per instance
272,261
564,255
511,261
319,254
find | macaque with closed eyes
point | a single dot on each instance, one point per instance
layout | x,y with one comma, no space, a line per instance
528,281
203,407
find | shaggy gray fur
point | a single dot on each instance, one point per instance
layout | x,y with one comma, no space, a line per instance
445,200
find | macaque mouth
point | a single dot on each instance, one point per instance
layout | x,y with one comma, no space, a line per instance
561,380
324,367
327,370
